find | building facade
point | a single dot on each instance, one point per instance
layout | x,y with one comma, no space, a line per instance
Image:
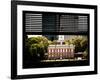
60,52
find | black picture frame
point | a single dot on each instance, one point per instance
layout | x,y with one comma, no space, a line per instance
14,35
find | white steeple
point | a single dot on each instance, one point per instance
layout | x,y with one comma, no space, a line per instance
61,39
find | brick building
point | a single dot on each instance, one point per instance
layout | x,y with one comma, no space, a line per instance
60,52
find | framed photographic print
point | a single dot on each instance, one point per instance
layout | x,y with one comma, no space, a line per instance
53,39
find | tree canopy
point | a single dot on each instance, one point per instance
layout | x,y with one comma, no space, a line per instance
37,46
80,42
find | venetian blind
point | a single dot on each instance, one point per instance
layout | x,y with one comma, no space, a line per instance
55,23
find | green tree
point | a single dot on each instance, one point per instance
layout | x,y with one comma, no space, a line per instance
36,47
80,42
